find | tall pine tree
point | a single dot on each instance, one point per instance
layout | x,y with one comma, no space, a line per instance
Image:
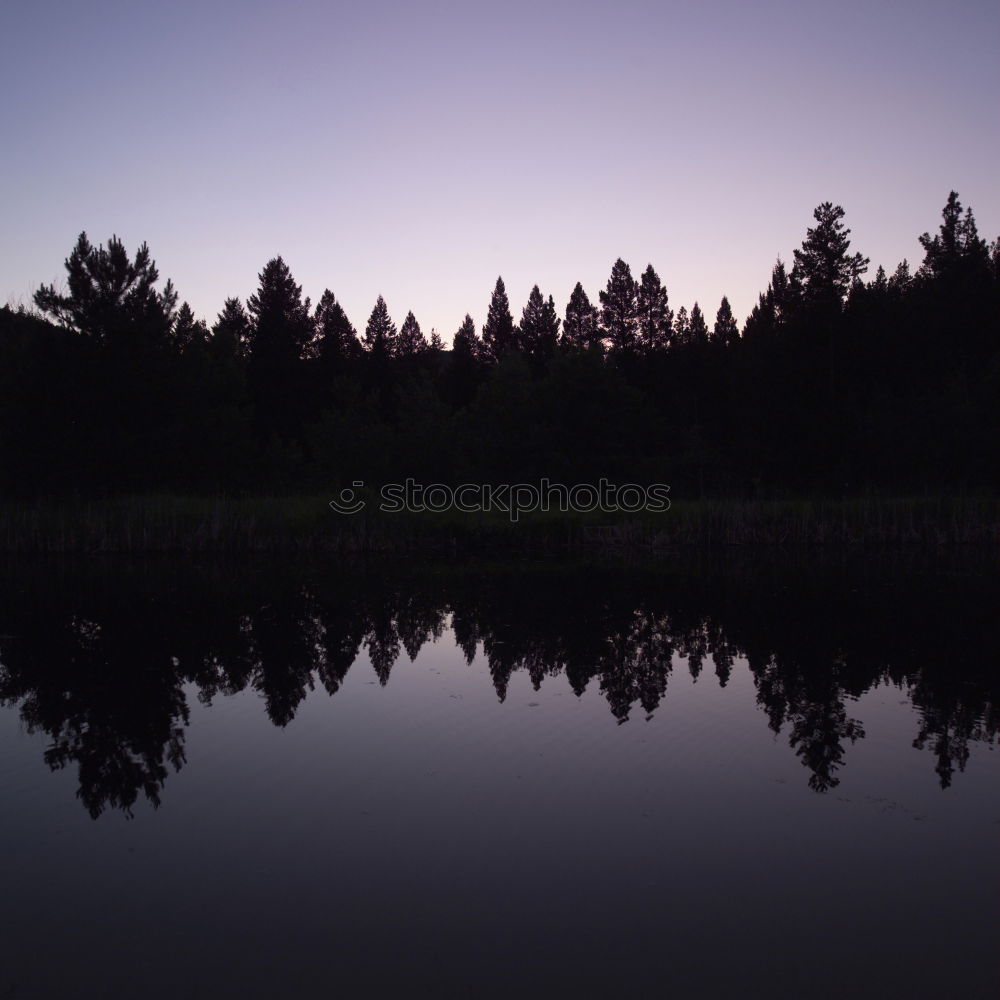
824,266
698,328
726,332
538,331
619,309
232,329
581,328
411,339
654,315
499,333
381,337
335,338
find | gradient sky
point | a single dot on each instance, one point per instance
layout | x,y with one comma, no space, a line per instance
417,150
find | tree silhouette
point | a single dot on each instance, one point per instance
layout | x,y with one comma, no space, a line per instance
823,265
619,309
411,340
538,332
838,384
499,333
465,342
726,332
697,327
111,297
381,339
233,326
682,327
581,329
186,331
335,338
655,318
281,333
280,329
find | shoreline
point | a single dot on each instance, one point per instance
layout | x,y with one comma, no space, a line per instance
305,523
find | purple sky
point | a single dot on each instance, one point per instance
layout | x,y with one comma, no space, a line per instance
417,150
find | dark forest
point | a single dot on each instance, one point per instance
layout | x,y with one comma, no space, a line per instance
840,383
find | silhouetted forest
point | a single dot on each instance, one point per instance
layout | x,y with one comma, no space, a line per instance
98,658
836,383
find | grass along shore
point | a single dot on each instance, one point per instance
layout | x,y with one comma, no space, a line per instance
305,523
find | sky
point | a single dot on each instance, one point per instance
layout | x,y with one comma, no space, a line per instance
417,150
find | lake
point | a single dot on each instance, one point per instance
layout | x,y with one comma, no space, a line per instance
722,777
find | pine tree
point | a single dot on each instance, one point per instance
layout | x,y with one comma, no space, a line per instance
784,294
111,298
655,318
232,328
619,309
725,332
463,371
188,332
823,266
549,338
281,330
682,328
411,340
381,338
956,250
900,281
698,328
281,335
499,334
581,329
335,338
436,343
538,332
465,341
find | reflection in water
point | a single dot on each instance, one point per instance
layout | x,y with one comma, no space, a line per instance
98,659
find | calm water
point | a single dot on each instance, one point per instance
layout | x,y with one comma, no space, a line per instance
498,780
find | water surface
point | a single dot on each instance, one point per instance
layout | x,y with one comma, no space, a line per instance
541,779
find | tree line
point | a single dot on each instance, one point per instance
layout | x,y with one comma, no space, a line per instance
834,383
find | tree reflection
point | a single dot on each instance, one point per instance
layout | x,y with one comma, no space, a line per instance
104,666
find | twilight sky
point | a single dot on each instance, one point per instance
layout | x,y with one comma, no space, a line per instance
419,149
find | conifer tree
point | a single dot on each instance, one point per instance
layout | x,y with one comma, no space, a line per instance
549,339
784,294
581,329
538,331
188,332
823,265
698,328
956,250
762,321
465,341
901,279
682,327
619,309
281,335
335,338
111,299
655,318
232,328
436,343
725,332
381,337
411,339
499,334
281,330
